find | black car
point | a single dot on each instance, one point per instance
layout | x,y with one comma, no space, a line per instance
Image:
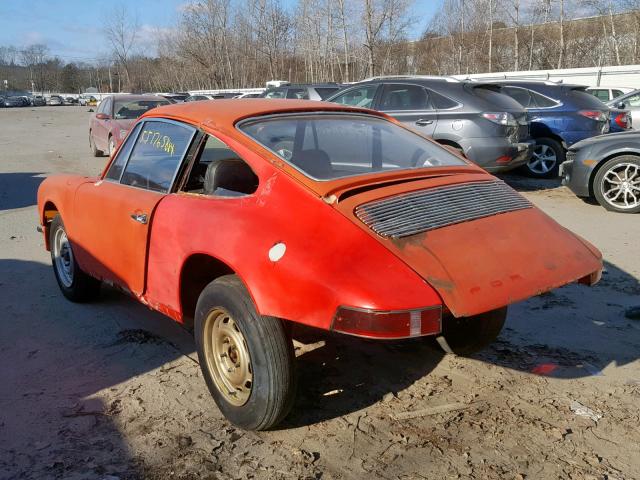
15,101
478,120
311,91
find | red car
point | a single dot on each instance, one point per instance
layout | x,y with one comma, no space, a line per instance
237,218
114,117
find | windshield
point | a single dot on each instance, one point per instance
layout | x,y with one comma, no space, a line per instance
130,110
328,146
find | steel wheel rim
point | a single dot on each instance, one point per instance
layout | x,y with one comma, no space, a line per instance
63,257
620,186
227,357
544,159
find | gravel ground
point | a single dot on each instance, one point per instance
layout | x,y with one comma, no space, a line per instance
112,390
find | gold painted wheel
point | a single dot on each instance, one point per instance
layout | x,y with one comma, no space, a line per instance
227,357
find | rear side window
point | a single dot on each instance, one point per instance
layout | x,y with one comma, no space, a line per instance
616,93
441,102
520,95
326,92
494,97
600,94
115,170
358,97
276,94
541,101
298,93
404,97
156,155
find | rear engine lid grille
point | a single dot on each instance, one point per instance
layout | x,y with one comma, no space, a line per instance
416,212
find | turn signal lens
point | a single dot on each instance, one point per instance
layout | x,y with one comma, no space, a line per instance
388,325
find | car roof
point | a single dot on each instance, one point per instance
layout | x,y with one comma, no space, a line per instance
227,112
122,96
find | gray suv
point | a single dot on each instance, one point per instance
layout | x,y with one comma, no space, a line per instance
490,128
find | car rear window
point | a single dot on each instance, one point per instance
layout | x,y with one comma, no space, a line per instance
329,146
128,110
585,100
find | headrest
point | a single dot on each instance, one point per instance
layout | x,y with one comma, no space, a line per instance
231,174
315,162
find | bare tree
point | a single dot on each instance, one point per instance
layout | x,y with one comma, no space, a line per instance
121,30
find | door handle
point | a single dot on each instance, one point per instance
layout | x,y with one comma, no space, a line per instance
139,217
423,122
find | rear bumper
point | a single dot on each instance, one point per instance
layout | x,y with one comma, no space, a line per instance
497,154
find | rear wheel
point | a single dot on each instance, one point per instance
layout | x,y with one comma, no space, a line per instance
92,146
547,156
75,284
616,186
246,359
467,335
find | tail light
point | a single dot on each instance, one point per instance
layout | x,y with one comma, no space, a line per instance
596,115
388,324
501,118
622,120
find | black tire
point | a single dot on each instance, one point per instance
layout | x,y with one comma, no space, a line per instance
467,335
78,287
538,169
271,358
92,146
602,186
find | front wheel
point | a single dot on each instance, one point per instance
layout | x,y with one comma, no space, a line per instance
247,360
547,156
467,335
616,186
74,283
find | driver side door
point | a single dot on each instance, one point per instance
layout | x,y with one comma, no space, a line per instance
113,216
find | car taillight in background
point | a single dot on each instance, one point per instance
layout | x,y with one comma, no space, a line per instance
623,120
596,115
501,118
393,324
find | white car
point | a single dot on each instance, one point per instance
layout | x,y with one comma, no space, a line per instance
606,94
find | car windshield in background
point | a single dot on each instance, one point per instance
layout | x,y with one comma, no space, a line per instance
132,110
325,147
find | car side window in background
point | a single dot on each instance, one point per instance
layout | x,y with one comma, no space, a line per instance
358,97
326,92
601,94
156,155
633,100
298,93
115,170
276,94
616,93
103,105
441,102
520,95
404,97
541,101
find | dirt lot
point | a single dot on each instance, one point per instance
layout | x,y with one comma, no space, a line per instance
112,390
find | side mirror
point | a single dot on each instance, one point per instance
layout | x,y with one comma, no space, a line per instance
103,116
621,105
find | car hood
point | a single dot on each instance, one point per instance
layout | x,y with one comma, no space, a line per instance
630,136
500,249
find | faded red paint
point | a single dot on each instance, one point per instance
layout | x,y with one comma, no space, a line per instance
331,259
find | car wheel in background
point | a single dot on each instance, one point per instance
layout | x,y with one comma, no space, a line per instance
547,156
247,359
112,146
467,335
92,146
75,284
616,185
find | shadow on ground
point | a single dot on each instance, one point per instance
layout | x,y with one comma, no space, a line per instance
18,190
523,183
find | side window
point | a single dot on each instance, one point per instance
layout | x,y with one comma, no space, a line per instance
326,92
298,93
633,100
441,102
115,170
541,101
358,97
404,97
276,94
520,95
156,155
220,171
102,106
601,94
616,93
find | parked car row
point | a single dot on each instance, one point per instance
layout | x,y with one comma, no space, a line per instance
35,101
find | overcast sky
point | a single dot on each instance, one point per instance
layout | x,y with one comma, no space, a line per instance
73,28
